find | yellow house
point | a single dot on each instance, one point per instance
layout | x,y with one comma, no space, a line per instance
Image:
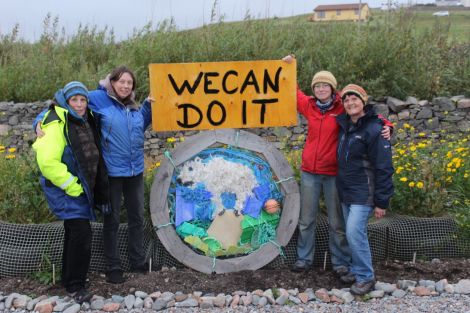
341,12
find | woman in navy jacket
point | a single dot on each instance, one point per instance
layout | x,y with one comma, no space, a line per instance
364,179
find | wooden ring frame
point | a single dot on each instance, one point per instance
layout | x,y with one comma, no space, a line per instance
186,150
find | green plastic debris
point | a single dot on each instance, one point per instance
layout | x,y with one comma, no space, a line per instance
188,229
250,224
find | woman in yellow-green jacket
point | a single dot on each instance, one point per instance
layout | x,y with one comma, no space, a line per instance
74,179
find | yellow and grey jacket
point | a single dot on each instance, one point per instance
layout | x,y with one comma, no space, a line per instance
61,160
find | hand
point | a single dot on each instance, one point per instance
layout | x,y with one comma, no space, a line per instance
386,132
289,58
379,213
150,99
39,131
105,208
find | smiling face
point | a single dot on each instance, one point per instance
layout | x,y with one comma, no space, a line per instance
322,92
123,86
354,106
79,104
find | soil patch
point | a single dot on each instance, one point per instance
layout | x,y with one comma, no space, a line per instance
187,280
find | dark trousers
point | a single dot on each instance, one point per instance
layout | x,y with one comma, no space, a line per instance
76,255
132,188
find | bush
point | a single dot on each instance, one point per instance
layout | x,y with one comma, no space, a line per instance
387,55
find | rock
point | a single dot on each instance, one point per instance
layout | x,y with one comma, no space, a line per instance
463,104
386,287
13,121
426,283
294,300
75,308
404,284
449,288
170,304
111,307
4,130
246,300
32,303
239,292
179,296
167,296
10,298
281,300
45,306
155,295
235,301
336,299
396,105
129,301
464,126
148,302
336,292
377,294
97,304
443,104
425,113
258,292
293,292
432,123
422,291
21,302
117,298
303,297
435,261
268,294
347,297
188,303
159,304
382,109
399,293
463,286
141,294
411,101
262,302
61,306
440,285
310,293
322,295
219,301
139,303
206,304
423,103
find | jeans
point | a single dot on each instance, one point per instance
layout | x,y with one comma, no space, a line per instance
133,190
311,187
76,255
356,217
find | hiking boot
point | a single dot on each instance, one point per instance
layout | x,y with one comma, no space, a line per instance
349,278
81,296
341,271
300,266
363,287
115,277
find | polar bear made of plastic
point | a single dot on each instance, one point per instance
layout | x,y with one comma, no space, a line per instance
220,176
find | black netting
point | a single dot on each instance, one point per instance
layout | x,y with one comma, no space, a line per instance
25,248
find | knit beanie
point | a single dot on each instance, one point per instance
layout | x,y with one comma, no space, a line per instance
324,77
356,90
75,88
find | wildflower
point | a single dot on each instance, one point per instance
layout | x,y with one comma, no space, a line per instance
406,125
403,179
420,185
449,154
10,156
411,184
422,134
421,145
465,175
171,139
399,169
413,148
12,150
2,148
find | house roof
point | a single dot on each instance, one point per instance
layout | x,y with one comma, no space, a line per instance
334,7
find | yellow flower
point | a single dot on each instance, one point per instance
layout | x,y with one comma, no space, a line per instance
449,179
10,156
465,175
449,154
411,184
413,148
401,151
421,145
2,148
399,169
403,179
171,139
181,139
422,134
420,185
406,125
11,150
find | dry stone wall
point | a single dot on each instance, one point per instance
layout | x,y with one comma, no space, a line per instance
451,114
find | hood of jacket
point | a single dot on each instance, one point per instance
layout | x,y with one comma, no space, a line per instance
129,101
60,99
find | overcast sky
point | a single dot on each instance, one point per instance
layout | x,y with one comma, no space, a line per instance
126,15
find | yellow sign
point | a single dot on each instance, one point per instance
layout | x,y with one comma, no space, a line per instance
212,95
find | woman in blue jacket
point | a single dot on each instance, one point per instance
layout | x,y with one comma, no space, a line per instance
364,179
122,123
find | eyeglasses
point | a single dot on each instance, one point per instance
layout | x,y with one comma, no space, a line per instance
321,85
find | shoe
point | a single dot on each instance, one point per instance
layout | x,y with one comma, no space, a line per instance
81,296
142,269
341,271
349,278
300,266
115,277
363,287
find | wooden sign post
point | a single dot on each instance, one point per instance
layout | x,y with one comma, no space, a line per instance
214,95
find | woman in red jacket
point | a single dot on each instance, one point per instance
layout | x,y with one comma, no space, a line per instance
318,174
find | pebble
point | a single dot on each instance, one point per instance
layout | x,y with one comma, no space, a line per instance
410,296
